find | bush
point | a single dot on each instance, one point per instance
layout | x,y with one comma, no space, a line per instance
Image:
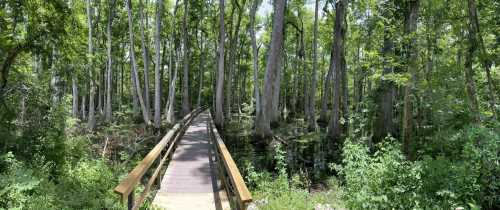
386,180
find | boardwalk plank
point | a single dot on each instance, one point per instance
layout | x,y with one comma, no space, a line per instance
190,181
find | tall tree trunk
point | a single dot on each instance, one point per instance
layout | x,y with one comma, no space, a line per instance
312,96
84,106
412,54
219,94
232,59
170,113
275,101
109,74
100,88
158,65
56,83
135,76
263,127
74,85
91,123
186,104
476,39
255,60
345,91
383,124
202,57
334,131
327,90
145,57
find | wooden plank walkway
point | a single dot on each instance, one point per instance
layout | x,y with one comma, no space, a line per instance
190,181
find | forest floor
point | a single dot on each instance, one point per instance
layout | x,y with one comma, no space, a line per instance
282,177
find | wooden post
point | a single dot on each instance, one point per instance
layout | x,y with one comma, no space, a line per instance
130,200
159,174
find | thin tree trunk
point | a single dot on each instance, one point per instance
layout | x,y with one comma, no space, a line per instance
324,100
109,74
263,127
158,65
170,114
255,60
91,119
312,97
232,60
476,39
100,89
202,58
83,107
145,57
186,104
334,131
219,97
74,85
135,77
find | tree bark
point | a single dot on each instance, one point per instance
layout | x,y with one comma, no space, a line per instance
186,104
476,39
91,123
232,60
109,74
312,96
263,128
412,54
158,65
83,107
145,58
219,95
255,60
74,85
383,124
136,84
202,58
170,113
326,92
334,131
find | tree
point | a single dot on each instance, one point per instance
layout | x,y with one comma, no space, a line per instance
233,44
109,74
412,54
158,64
263,121
135,77
202,55
255,60
475,41
91,123
334,127
383,123
169,112
219,94
145,57
312,97
186,103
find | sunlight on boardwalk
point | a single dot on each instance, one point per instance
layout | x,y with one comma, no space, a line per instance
190,181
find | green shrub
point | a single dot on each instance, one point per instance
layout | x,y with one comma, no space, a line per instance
386,180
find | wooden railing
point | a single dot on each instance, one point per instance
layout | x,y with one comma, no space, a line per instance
229,174
126,187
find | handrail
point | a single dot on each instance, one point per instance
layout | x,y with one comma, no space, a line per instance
126,187
230,171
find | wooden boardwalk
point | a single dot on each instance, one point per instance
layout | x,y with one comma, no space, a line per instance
191,181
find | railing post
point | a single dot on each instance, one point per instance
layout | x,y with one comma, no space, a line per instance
130,199
158,178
